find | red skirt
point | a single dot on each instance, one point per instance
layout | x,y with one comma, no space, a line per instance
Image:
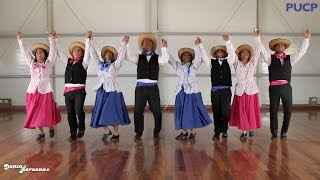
245,112
41,110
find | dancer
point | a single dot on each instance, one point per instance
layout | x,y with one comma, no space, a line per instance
109,108
279,66
41,107
189,111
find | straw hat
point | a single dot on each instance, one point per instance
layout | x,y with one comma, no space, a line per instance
185,50
274,42
144,36
39,46
242,47
214,49
111,49
75,44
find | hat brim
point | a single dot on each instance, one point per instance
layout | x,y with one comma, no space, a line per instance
111,49
216,48
144,36
39,46
274,42
242,47
186,50
74,45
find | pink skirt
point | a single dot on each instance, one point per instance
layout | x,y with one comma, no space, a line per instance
41,110
245,112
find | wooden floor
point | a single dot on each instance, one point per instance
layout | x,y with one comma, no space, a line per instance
90,158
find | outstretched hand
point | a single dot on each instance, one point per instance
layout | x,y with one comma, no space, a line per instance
125,39
307,33
19,35
225,37
89,35
164,43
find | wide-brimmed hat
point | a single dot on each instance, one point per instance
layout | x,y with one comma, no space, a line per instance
111,49
242,47
39,46
274,42
75,44
186,50
144,36
214,49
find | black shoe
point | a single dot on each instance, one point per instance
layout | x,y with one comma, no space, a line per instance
182,136
137,137
40,137
80,133
251,133
283,136
224,135
51,132
156,136
115,138
216,136
72,138
274,137
192,136
105,137
243,136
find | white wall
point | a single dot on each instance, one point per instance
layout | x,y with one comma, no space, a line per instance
117,18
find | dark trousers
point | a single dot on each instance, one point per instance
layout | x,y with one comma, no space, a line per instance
283,92
220,100
142,95
74,104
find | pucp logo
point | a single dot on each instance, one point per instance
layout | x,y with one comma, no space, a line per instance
306,7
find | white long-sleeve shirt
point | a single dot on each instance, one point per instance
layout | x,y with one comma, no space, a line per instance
64,59
294,58
40,74
207,60
187,80
161,60
107,77
245,72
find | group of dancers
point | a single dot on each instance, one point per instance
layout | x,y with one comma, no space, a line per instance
189,111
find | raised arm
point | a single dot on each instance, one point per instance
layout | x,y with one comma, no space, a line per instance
204,56
26,54
303,49
129,57
122,53
166,53
60,54
265,55
196,63
164,58
53,49
86,56
92,52
257,49
232,56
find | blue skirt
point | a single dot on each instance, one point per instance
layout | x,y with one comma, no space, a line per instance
189,111
109,109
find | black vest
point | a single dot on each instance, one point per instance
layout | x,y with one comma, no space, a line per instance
277,71
75,73
148,70
220,75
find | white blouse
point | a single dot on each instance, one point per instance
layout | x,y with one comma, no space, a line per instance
186,72
40,74
245,72
107,76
